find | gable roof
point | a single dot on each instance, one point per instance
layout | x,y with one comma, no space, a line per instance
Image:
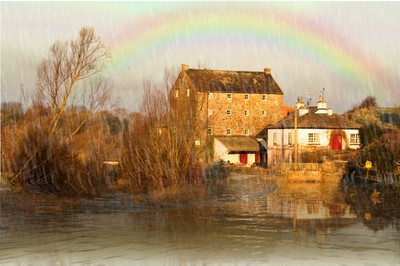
233,81
236,144
312,120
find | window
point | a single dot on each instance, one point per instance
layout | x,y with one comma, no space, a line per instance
290,138
246,97
313,138
229,96
228,131
275,139
188,92
176,93
210,96
210,111
354,138
246,112
264,112
247,132
229,112
264,97
209,131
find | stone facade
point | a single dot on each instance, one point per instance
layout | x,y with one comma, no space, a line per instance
243,116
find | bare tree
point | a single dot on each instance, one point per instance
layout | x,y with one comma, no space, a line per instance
43,155
68,63
160,144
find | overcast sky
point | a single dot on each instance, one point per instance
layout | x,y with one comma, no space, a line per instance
350,49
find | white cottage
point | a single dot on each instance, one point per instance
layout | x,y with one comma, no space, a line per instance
237,149
317,128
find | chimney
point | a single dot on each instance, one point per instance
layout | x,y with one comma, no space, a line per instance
299,102
185,67
330,111
267,70
303,110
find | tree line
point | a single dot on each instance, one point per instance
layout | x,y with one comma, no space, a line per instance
61,143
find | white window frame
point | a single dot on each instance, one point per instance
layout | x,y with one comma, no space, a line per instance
313,138
264,97
246,96
229,96
176,93
264,112
228,132
355,139
290,138
247,132
228,112
246,112
275,138
210,112
188,92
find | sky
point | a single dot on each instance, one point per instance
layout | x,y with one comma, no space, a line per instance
352,49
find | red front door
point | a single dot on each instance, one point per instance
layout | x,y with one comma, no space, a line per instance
336,142
243,158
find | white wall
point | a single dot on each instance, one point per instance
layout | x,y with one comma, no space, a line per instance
220,151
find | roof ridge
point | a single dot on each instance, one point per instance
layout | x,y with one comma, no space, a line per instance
221,70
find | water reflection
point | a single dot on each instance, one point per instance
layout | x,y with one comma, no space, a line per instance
249,221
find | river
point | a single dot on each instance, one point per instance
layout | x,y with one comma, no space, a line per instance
242,222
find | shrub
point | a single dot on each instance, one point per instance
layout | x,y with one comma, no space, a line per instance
217,171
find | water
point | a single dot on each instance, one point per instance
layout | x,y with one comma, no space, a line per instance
242,223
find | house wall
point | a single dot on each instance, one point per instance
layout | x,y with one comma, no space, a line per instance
278,153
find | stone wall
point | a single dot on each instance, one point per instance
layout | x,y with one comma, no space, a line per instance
245,113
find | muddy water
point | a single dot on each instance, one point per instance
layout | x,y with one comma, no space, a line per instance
242,222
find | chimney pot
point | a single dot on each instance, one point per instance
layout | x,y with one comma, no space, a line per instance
267,70
185,67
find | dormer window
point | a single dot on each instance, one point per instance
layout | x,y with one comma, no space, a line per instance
229,96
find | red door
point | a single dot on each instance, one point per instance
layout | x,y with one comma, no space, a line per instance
243,158
257,157
336,142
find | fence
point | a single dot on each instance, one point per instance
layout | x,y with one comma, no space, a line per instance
387,178
285,167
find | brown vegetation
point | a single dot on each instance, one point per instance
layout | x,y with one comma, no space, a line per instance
159,144
55,147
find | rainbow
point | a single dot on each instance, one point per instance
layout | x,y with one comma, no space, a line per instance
304,36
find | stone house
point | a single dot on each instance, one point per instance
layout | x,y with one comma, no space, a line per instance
225,104
317,129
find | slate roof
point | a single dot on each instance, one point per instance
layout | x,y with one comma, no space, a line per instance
236,144
233,81
312,120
